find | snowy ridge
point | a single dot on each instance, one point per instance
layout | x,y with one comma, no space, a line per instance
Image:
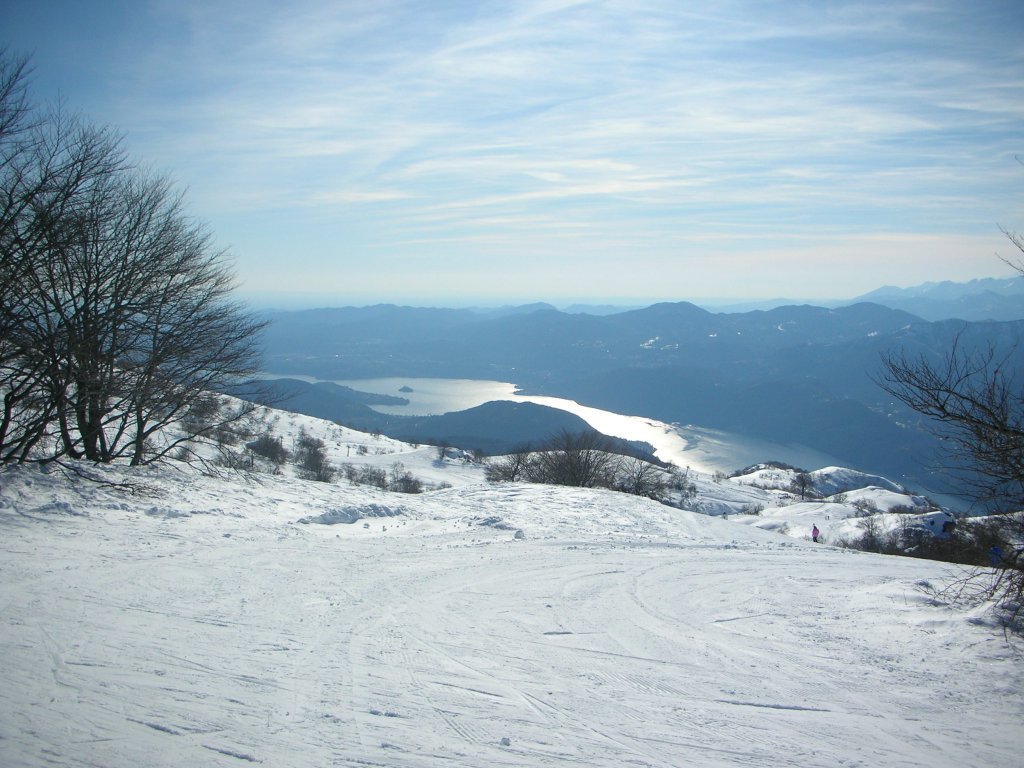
223,621
833,480
827,481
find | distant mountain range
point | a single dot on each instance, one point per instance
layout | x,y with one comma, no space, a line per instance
985,299
795,375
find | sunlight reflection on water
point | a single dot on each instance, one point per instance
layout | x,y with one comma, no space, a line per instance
702,449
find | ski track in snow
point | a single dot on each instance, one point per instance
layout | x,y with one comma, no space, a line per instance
199,624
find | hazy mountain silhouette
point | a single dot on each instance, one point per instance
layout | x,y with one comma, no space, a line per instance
984,299
799,374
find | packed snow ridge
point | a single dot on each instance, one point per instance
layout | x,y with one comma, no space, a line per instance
255,618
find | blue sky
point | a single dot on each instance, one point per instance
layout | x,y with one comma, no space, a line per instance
451,152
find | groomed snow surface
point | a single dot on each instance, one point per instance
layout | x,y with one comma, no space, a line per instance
197,622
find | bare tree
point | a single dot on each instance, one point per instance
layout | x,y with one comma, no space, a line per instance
977,407
975,400
191,337
582,459
642,478
24,417
47,168
115,307
508,468
1018,243
144,319
803,483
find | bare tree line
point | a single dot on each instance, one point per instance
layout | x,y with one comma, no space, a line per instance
116,309
587,460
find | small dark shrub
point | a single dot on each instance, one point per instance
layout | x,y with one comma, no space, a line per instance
269,447
311,458
374,476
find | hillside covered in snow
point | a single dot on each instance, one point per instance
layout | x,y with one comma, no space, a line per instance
165,617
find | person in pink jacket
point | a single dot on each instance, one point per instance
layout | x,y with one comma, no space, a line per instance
815,533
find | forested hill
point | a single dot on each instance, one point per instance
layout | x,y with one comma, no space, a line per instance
387,340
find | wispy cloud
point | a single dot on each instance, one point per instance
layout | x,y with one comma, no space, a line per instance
439,131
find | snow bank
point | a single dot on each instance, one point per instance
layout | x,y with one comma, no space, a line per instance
349,515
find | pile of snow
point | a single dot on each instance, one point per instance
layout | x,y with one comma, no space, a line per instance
883,499
349,515
764,495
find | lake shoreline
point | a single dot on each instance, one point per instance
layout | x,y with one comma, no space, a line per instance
690,446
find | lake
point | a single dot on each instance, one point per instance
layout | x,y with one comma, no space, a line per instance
702,449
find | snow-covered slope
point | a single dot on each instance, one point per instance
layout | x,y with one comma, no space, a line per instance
350,446
197,621
843,521
827,481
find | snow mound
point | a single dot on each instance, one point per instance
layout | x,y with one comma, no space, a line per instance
767,476
883,499
827,481
493,521
349,515
832,480
59,508
168,512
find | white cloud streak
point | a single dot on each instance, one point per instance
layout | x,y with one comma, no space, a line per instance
465,131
